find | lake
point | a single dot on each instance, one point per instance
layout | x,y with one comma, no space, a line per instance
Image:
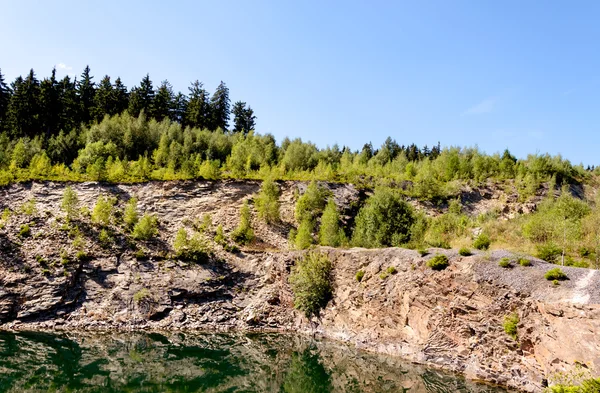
203,362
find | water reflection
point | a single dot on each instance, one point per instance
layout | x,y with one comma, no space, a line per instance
38,362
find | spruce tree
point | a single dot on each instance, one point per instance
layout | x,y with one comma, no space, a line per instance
24,108
180,105
220,107
5,94
120,97
163,101
104,100
50,104
69,104
198,113
142,98
244,119
86,92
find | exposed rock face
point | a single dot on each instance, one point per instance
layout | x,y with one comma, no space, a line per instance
451,319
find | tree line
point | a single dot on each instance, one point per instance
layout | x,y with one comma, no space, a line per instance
30,107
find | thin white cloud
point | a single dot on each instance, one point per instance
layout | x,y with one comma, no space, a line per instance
63,66
485,106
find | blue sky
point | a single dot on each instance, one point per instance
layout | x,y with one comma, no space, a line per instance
497,74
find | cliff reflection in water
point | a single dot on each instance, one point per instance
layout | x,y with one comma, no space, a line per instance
136,362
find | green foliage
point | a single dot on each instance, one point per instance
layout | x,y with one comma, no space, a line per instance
422,252
130,215
360,275
482,242
303,238
549,252
103,212
146,228
105,238
142,295
220,235
504,262
24,231
464,251
312,203
524,262
311,283
267,202
244,234
70,203
389,271
28,207
330,232
555,274
438,262
205,223
191,248
510,325
384,221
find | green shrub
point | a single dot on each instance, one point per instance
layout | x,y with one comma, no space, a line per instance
244,234
103,210
422,252
311,283
192,248
104,238
28,208
70,203
142,295
146,228
130,215
504,262
330,233
390,270
64,257
384,221
205,223
555,282
555,274
139,254
267,202
220,235
303,239
438,262
549,252
510,325
24,231
482,242
524,262
359,275
464,251
312,203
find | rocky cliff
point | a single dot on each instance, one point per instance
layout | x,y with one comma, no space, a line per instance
452,319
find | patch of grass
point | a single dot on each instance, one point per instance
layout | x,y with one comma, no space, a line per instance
64,257
359,275
555,274
438,262
105,239
422,252
465,252
28,208
555,282
140,254
81,255
505,263
510,325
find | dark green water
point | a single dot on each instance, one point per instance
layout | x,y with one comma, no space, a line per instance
37,362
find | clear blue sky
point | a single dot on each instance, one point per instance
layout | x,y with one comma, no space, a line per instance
518,74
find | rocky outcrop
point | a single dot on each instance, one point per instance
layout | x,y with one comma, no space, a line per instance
451,319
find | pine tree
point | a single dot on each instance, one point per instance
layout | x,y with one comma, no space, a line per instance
120,97
220,107
198,113
5,94
180,105
141,98
164,101
50,104
244,119
69,104
24,108
103,100
86,92
330,233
